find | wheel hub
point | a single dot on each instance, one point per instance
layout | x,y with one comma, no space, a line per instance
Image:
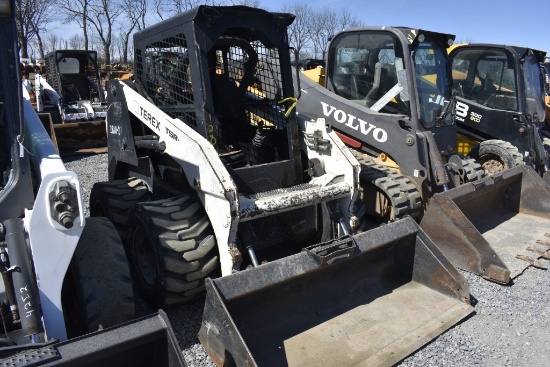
493,166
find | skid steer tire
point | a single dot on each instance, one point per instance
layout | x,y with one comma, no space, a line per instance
172,249
98,290
496,156
116,199
546,145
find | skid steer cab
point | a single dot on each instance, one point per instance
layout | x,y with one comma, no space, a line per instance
500,109
213,175
63,275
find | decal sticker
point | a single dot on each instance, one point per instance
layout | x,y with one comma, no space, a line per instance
341,117
475,117
461,110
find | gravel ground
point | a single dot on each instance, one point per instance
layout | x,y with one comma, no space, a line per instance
508,328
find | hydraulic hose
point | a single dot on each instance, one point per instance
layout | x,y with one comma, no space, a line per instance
24,283
438,168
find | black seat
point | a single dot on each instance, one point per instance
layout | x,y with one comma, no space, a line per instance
75,87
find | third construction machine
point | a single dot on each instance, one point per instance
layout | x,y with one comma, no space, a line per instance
500,106
545,68
215,183
71,103
388,91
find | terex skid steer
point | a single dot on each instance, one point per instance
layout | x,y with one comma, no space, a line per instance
500,106
63,276
71,103
216,184
387,92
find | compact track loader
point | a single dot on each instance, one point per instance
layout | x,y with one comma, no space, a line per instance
63,275
71,103
388,93
500,106
216,184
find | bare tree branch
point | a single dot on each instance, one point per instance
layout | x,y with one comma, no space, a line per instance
32,18
299,32
102,15
76,11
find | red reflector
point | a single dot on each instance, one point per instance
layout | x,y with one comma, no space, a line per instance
349,141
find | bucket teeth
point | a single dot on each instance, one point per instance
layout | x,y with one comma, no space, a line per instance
545,254
534,262
544,243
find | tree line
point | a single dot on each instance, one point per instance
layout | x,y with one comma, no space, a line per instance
107,25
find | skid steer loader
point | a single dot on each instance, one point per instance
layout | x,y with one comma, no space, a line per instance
216,184
63,276
71,103
500,106
387,93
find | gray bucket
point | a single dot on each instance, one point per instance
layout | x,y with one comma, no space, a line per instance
370,299
487,226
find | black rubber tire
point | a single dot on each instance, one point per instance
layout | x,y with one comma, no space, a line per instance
546,145
172,249
496,156
116,199
98,290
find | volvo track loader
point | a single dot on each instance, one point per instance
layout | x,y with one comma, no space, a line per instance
214,178
500,106
71,103
387,92
63,276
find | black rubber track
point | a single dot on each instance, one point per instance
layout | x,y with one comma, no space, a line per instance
98,289
402,193
173,249
472,169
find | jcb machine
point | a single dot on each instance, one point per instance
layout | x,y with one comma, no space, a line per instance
387,92
215,183
545,68
64,277
500,106
71,102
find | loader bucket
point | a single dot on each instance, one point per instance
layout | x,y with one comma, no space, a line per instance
486,227
146,342
76,138
370,299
